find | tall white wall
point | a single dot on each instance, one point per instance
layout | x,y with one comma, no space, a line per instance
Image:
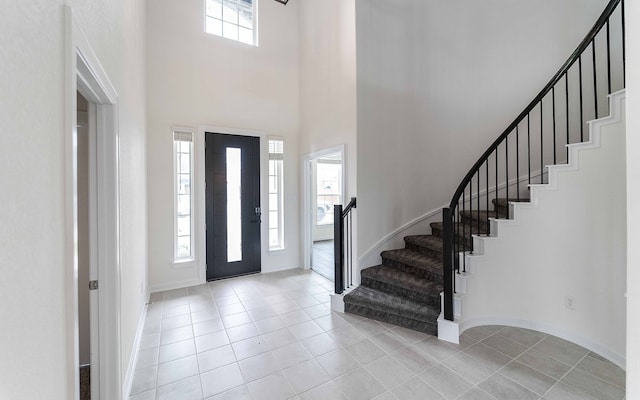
328,85
195,79
33,338
328,80
438,81
569,242
633,199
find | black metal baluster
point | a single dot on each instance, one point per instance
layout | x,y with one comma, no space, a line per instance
456,238
541,145
581,117
529,145
478,175
608,61
553,117
566,91
471,201
517,162
496,172
624,58
595,77
464,229
506,167
486,163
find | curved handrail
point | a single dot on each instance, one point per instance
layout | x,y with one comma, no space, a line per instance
457,235
556,78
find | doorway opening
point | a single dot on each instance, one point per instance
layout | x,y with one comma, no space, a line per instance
87,267
92,226
324,188
233,212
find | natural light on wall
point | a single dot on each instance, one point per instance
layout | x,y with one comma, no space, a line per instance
232,19
183,208
276,211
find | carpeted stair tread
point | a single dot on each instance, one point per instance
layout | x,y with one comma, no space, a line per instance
504,202
413,259
481,215
391,304
427,244
459,228
392,280
428,327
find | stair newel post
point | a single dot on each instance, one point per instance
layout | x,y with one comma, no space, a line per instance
338,248
447,264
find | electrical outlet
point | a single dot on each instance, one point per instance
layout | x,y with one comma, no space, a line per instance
570,302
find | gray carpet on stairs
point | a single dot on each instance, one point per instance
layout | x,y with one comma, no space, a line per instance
405,289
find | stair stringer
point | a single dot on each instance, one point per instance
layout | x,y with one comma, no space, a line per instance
521,274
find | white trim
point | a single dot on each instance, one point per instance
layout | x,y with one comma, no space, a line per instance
199,194
133,360
307,224
175,285
84,73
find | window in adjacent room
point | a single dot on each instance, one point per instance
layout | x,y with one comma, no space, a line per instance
232,19
276,203
183,208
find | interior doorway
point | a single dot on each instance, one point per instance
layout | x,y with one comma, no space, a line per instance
99,222
324,188
87,267
233,213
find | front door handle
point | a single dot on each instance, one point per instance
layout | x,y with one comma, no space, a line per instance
258,213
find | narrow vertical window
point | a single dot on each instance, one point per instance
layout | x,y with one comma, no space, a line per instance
183,171
276,210
234,204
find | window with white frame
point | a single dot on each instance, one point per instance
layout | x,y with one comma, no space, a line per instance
183,181
232,19
276,204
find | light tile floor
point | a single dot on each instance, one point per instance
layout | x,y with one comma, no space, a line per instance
273,336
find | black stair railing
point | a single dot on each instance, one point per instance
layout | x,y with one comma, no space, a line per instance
539,136
343,245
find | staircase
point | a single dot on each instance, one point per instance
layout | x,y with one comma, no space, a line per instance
415,287
405,289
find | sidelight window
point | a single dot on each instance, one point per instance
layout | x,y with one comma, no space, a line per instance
276,203
183,201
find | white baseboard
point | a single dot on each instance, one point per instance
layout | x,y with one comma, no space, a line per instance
161,287
133,359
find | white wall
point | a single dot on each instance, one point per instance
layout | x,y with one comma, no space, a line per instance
570,241
438,81
33,340
633,199
196,79
328,81
328,85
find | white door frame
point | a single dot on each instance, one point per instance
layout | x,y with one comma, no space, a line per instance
306,203
84,74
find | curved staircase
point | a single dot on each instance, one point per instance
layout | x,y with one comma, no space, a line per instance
405,289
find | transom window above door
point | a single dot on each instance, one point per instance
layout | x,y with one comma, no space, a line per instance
232,19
